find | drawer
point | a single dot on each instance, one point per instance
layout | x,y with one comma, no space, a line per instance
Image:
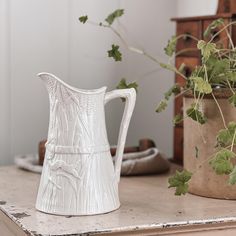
178,108
221,39
234,31
192,28
178,144
190,63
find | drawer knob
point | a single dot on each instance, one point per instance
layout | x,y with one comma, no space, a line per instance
187,37
187,71
217,37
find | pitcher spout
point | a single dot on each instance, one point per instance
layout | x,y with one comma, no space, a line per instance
48,80
44,76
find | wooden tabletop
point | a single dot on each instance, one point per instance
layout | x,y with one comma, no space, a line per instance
148,207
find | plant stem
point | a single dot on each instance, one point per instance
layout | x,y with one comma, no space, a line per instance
230,39
225,27
205,72
137,50
198,124
187,35
230,87
221,113
232,145
180,94
182,51
131,48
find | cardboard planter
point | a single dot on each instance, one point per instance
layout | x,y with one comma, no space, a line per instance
205,182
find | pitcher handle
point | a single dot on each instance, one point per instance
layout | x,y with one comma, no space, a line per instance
130,98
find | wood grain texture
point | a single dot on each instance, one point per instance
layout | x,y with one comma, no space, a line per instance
9,227
226,6
200,18
221,39
178,144
190,63
192,28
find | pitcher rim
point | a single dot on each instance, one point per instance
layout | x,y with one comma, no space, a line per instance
85,91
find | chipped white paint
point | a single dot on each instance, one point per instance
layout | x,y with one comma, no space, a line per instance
149,208
78,175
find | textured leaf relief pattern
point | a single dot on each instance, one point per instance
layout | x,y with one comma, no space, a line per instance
73,181
82,186
73,115
61,111
59,168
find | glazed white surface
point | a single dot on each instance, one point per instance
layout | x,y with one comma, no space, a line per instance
78,176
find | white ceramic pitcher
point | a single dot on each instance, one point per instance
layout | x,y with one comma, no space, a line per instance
78,176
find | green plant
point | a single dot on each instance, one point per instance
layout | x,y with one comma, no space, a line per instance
217,70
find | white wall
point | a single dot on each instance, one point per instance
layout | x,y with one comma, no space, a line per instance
89,60
39,42
148,25
4,82
42,35
196,7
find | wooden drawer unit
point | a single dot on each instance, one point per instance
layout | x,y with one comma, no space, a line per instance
185,44
190,63
178,144
178,109
194,26
221,38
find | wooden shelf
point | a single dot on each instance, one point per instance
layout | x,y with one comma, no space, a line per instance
208,17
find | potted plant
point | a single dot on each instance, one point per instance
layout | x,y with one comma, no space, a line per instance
209,111
209,120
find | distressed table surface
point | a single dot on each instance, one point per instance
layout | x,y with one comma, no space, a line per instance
148,208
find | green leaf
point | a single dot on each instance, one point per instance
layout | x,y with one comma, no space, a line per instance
221,66
207,49
114,15
221,163
180,182
171,46
214,24
178,119
175,89
83,19
198,72
115,53
231,76
201,85
196,115
232,100
162,106
225,136
231,127
124,85
217,69
232,177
